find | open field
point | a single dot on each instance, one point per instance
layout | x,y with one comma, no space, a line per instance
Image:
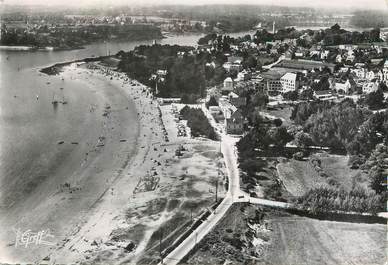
300,176
254,235
299,240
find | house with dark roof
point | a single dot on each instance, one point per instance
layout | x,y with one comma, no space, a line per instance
235,123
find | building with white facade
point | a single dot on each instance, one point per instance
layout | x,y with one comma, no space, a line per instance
289,82
228,85
345,87
370,87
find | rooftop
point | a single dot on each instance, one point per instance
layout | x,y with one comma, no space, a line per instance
289,76
323,92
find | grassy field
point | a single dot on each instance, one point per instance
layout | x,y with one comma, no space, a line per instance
300,176
299,240
253,235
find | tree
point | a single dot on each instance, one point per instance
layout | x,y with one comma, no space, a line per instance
278,122
375,165
212,102
336,126
335,28
383,87
377,180
323,84
375,100
250,62
303,139
306,94
291,95
280,136
260,99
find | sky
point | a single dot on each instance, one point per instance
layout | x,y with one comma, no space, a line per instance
361,4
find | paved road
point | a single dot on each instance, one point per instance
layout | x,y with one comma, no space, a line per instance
227,149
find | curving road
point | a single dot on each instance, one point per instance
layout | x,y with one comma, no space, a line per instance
233,195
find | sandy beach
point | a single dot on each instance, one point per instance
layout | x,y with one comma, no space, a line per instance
122,226
127,188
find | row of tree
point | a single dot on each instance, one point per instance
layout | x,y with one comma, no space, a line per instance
325,199
198,123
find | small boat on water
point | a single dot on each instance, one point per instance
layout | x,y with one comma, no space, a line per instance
54,101
63,99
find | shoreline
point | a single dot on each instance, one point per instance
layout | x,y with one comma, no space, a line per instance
120,210
89,178
98,223
57,68
87,234
35,48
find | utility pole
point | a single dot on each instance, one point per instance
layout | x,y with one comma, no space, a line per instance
191,215
218,174
217,187
160,244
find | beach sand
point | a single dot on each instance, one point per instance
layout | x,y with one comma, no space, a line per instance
116,209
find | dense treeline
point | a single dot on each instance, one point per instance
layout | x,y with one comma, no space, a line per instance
371,132
336,126
187,73
74,38
330,36
302,111
376,165
198,123
232,23
233,17
342,126
335,36
324,199
375,100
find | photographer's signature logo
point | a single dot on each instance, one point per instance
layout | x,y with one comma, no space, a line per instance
28,238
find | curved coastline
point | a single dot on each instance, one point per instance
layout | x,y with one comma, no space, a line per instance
106,214
53,212
89,182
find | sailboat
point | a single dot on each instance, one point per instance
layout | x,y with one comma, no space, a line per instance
54,100
63,97
63,100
